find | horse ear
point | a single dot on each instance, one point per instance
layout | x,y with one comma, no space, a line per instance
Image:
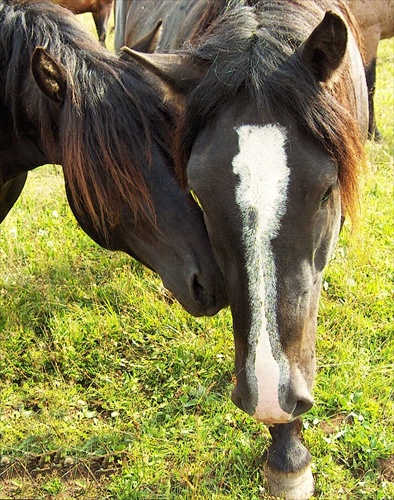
178,72
149,42
49,75
325,48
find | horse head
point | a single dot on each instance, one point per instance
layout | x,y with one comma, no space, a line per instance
271,144
67,100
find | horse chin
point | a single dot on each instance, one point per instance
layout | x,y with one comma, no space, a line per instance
198,310
274,418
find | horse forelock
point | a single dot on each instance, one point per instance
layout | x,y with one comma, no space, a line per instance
252,52
110,120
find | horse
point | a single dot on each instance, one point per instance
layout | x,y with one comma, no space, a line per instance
376,21
100,9
272,117
64,99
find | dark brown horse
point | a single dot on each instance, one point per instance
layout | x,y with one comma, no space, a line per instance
269,138
376,21
65,99
100,9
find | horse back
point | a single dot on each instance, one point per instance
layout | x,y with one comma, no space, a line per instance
376,22
182,20
83,6
377,13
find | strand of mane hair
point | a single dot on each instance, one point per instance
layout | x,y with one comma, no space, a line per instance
348,148
211,12
344,140
102,157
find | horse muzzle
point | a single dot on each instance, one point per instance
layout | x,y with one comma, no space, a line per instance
278,407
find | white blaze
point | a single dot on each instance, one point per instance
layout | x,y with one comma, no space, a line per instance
261,165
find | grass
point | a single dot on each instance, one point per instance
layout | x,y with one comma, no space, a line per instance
107,390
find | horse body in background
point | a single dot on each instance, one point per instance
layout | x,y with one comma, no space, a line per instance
273,116
65,99
376,21
100,9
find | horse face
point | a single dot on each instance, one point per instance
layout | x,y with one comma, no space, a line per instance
272,210
176,245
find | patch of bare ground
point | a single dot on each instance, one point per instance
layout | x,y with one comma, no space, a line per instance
332,425
387,468
27,477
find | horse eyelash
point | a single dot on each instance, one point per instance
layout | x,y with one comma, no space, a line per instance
326,196
195,198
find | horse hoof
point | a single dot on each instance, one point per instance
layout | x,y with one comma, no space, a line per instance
378,137
291,486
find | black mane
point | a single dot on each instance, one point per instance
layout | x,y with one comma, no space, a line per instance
111,117
251,51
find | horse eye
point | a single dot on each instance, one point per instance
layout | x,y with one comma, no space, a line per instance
326,196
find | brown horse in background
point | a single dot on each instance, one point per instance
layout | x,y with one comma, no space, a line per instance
100,9
376,20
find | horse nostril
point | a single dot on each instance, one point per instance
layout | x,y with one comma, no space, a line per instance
302,406
208,295
237,401
198,291
298,399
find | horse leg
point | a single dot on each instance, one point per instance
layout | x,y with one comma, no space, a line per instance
289,463
370,73
371,38
101,21
9,193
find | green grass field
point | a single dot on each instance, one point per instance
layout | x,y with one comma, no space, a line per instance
107,390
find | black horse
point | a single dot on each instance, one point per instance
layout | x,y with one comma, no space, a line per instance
65,99
270,136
